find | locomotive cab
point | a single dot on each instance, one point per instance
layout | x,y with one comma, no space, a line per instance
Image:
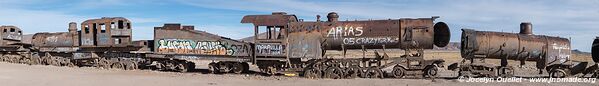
270,34
10,35
104,32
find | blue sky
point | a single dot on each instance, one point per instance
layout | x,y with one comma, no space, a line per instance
575,19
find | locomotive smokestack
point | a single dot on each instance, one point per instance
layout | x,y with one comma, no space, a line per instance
332,17
72,27
317,18
526,28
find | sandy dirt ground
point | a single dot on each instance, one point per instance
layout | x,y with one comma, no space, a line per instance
40,75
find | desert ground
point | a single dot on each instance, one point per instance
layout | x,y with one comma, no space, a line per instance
12,74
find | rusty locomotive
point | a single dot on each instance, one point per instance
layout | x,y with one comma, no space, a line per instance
293,45
549,53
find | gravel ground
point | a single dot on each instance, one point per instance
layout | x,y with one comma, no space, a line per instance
40,75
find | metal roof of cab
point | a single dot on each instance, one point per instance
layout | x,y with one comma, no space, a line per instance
275,19
104,19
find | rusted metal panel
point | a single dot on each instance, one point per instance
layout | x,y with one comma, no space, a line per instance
546,50
558,50
276,19
120,32
147,45
60,39
305,45
374,34
176,40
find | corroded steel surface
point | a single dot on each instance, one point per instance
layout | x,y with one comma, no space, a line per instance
405,33
276,19
59,39
545,50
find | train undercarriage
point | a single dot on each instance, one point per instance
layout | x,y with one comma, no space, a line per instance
379,66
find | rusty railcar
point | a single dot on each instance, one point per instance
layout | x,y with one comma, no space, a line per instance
550,53
12,49
176,44
104,42
293,45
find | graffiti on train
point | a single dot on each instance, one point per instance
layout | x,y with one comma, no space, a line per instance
562,51
13,35
270,49
370,40
183,46
345,31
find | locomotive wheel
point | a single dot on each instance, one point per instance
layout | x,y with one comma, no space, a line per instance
213,68
35,60
190,66
334,72
68,62
312,73
118,65
557,73
5,58
353,72
269,71
22,60
374,72
237,68
103,63
181,67
505,72
398,71
246,67
130,66
54,61
27,61
431,71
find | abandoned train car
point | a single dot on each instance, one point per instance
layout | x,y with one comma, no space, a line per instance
549,53
175,46
104,42
11,47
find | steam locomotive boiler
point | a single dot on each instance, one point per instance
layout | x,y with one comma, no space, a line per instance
550,53
300,46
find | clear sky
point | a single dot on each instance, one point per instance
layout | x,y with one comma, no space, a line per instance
575,19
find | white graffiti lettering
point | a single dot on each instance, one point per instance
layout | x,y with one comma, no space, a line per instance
370,40
270,49
200,47
337,32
